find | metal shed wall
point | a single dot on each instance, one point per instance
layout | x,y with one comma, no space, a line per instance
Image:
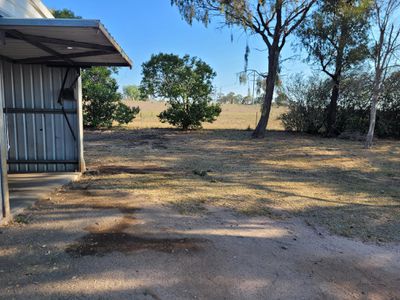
38,134
4,203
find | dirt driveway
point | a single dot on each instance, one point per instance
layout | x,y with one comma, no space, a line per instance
125,232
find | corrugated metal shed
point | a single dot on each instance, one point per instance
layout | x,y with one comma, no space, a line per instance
39,136
41,122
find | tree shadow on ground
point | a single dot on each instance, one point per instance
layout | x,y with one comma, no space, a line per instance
296,173
146,252
159,254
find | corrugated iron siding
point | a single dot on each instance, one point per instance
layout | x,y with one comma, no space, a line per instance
4,201
38,136
2,151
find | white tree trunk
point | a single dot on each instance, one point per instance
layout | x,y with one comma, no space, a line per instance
376,93
372,122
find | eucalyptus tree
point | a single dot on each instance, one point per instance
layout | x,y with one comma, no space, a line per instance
271,20
386,46
336,38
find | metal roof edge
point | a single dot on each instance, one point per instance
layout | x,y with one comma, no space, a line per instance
49,22
89,23
115,44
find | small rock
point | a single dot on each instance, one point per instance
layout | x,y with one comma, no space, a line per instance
284,247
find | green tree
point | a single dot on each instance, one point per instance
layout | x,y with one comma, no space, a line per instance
272,20
101,100
124,114
187,85
64,14
336,38
131,92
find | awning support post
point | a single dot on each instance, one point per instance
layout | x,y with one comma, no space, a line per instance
4,194
79,107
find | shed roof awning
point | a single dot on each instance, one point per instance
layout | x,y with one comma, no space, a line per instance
59,42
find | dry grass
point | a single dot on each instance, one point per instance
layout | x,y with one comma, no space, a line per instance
334,183
233,116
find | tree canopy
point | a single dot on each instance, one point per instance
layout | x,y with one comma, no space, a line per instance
336,38
131,92
186,83
272,20
64,14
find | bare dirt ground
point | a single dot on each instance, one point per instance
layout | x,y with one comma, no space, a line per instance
163,214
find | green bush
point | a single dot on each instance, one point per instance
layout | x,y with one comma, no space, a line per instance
307,102
186,83
191,116
100,97
124,114
309,98
101,101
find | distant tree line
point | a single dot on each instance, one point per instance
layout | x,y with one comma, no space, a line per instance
232,98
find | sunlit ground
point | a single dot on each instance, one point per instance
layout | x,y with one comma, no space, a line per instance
331,182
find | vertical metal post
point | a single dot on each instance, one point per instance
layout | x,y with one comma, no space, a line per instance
4,194
78,89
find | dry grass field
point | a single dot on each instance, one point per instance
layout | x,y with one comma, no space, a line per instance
332,183
233,116
213,214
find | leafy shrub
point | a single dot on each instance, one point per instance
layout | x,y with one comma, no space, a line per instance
309,98
124,114
186,82
101,101
100,97
307,101
191,116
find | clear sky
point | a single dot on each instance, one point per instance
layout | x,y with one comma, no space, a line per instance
144,27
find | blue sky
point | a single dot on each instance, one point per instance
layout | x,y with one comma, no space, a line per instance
144,27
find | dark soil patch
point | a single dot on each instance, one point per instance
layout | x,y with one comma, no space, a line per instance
100,244
114,239
100,206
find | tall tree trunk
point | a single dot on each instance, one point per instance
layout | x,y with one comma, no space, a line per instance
376,91
336,78
332,108
372,121
273,62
